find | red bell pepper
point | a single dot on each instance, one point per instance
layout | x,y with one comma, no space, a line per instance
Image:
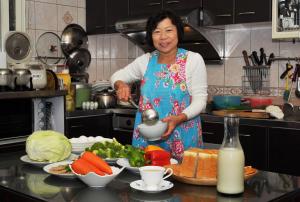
158,157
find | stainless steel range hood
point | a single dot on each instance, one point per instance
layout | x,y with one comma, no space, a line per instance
208,41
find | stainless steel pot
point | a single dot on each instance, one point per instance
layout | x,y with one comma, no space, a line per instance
5,77
105,99
21,77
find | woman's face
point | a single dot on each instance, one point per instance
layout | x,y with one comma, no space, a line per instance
165,38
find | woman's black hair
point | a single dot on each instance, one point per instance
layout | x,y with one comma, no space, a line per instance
154,20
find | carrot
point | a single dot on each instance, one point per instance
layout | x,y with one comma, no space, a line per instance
97,162
83,167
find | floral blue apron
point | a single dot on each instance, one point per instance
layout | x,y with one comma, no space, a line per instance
163,88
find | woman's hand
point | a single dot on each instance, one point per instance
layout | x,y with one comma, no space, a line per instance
173,121
123,90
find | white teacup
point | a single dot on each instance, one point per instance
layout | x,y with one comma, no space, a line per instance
152,176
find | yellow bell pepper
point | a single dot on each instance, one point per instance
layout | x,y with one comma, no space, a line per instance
152,148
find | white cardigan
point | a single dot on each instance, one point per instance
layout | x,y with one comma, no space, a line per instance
196,79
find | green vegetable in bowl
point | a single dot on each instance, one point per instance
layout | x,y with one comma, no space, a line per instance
48,145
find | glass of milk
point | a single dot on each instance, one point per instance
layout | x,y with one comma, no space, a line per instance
231,159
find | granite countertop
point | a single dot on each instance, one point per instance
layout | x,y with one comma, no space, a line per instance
25,182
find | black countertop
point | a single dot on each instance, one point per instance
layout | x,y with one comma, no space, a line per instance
23,182
31,94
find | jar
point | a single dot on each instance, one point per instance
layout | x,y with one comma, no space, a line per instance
231,159
82,94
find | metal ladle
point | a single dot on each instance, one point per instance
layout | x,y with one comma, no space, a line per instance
149,116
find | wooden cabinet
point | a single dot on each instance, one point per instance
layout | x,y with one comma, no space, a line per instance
284,150
94,125
221,12
212,132
101,15
149,7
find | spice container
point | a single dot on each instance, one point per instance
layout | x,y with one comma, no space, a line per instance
231,159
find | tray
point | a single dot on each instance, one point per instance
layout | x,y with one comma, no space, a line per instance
212,181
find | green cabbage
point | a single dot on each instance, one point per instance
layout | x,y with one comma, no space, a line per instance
48,146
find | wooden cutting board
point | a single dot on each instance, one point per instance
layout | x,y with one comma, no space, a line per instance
243,113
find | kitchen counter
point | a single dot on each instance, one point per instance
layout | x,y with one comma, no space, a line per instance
23,182
31,94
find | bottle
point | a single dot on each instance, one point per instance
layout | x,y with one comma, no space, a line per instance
231,159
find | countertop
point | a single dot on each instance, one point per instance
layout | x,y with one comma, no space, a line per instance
31,94
25,182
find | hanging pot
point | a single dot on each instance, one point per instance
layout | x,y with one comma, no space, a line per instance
73,37
79,60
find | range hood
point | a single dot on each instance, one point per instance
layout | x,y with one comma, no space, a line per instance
208,41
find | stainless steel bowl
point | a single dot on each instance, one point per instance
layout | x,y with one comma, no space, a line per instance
5,77
21,76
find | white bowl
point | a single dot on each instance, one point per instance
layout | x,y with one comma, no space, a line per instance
153,132
94,180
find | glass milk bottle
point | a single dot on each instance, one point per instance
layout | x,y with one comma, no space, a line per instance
231,159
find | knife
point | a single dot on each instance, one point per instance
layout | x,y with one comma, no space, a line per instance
253,60
254,53
270,59
263,57
246,58
287,69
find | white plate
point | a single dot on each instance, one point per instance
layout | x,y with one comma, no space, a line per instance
49,166
26,159
125,163
139,185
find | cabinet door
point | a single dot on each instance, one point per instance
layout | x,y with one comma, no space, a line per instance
95,17
100,125
144,7
254,142
116,10
218,12
181,4
252,11
284,150
212,132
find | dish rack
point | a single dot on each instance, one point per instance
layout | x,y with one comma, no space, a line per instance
256,80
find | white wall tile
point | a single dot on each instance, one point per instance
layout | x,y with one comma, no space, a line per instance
116,64
47,1
66,15
82,3
100,45
237,39
106,69
106,46
132,50
274,74
100,69
31,33
118,46
46,16
215,74
67,2
234,71
261,37
81,18
289,49
92,71
93,45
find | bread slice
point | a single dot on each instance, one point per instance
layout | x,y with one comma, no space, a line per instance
207,164
189,164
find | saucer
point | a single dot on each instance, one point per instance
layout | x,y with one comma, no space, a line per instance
139,185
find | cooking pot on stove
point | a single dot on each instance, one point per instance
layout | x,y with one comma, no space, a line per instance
5,77
105,98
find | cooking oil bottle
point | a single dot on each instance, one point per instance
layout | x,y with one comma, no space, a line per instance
231,159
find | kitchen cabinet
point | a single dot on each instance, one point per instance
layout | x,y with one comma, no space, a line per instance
148,7
284,150
101,15
236,11
93,125
252,138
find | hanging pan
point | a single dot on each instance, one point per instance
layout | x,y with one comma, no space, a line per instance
78,60
73,37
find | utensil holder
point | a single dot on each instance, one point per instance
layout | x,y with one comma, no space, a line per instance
256,80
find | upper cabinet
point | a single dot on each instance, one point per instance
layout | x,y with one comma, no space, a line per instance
221,12
101,15
285,19
149,7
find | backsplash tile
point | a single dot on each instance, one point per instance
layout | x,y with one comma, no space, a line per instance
46,16
233,71
66,15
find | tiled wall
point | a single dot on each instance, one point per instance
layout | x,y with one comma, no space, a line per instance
111,52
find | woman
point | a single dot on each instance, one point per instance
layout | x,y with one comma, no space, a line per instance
173,82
